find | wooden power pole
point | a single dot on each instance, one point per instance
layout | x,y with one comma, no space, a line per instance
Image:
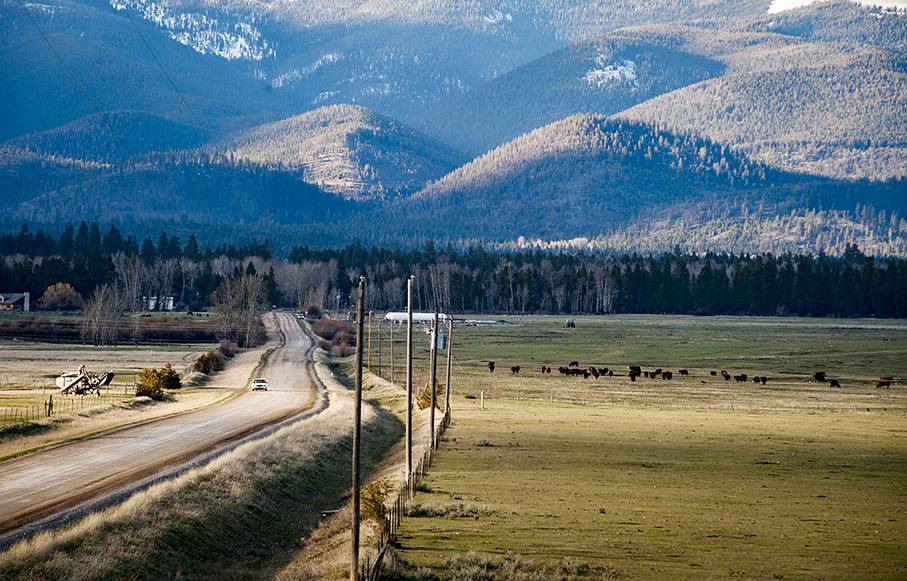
357,434
393,358
434,374
449,361
409,378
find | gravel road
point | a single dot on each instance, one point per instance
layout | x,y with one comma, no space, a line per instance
43,483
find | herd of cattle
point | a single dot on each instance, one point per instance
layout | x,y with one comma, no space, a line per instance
634,371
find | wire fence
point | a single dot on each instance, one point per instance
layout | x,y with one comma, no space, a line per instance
59,405
394,517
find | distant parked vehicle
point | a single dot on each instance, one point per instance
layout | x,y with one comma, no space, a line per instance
259,384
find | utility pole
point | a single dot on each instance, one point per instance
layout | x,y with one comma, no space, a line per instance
380,340
393,359
357,434
409,378
369,341
434,374
449,361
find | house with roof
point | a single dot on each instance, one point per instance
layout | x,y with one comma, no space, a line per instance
15,302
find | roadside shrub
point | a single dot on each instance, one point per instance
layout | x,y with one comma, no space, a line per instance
227,348
328,328
313,312
374,495
148,384
423,400
170,379
152,382
208,363
343,350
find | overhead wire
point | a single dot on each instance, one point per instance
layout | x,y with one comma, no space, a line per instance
199,123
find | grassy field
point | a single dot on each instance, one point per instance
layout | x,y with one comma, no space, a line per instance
667,479
27,372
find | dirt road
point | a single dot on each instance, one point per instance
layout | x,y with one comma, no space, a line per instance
46,482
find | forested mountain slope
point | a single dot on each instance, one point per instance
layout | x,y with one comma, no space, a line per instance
347,150
111,136
182,187
821,109
603,76
589,173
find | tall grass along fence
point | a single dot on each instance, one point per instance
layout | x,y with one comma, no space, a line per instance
394,517
59,405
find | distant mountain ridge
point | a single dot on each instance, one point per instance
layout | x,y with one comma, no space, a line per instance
347,150
626,123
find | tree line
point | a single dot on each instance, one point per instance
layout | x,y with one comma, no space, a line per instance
471,279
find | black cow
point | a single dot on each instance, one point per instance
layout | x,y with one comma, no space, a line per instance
819,376
515,370
491,366
684,372
834,383
574,364
713,373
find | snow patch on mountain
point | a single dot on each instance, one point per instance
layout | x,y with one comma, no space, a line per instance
894,6
607,73
43,8
290,77
204,34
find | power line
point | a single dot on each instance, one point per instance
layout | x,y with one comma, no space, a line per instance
199,123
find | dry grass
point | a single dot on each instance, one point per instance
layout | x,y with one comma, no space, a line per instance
673,479
325,555
241,516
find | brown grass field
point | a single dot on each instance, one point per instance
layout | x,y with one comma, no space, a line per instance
695,477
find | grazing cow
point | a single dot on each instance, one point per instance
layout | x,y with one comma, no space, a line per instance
594,372
667,375
574,364
756,379
634,369
603,370
763,379
586,374
713,373
883,383
819,376
684,372
515,370
562,370
725,375
740,378
543,370
491,366
657,372
834,383
645,374
610,373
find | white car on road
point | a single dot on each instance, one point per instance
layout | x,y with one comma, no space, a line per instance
259,384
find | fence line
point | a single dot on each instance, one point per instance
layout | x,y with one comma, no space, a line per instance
63,405
394,517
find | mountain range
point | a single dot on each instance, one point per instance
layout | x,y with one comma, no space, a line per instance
547,124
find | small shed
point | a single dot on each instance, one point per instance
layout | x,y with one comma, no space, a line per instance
15,302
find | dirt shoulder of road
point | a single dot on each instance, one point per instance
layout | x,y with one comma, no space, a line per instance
223,386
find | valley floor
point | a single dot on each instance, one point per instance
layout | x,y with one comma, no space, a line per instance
669,479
